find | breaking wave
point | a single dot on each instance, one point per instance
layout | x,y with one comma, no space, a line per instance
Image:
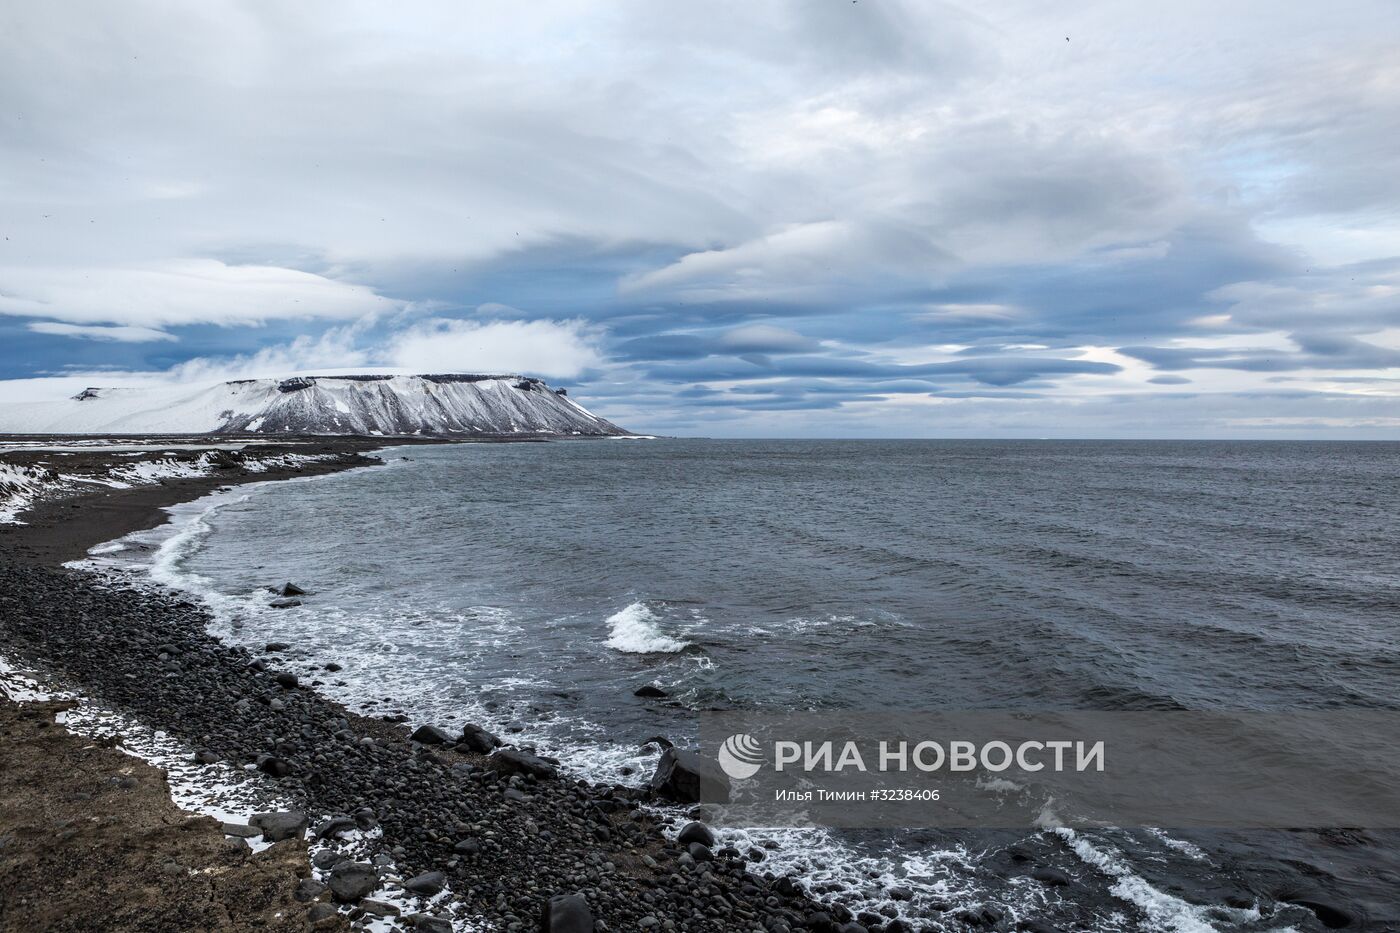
634,630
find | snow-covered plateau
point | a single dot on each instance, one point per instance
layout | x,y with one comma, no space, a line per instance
428,405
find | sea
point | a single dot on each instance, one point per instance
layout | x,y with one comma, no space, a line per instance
534,587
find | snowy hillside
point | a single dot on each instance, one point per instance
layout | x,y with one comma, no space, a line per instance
388,405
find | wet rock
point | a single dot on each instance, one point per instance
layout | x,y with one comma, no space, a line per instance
650,692
477,739
1051,876
287,680
695,832
332,667
351,881
284,602
281,825
240,830
275,646
432,735
290,589
567,913
688,777
518,761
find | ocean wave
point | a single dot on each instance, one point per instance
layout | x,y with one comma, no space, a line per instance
634,630
1163,911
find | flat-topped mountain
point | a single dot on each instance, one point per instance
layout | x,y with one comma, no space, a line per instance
427,405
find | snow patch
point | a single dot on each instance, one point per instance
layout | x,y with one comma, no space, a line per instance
375,405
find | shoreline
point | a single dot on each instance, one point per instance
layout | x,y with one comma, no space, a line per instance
510,834
63,527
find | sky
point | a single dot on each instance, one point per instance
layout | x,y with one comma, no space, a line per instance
821,218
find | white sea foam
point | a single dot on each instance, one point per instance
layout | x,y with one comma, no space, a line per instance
634,630
1164,911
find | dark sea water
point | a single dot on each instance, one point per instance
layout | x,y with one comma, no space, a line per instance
536,586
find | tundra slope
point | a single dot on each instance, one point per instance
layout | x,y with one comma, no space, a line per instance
427,405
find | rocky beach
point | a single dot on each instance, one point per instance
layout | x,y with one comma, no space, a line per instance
391,827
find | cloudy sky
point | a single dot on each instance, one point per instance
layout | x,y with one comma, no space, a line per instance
824,218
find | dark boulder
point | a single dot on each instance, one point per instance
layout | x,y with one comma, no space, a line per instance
274,646
334,827
284,602
308,889
477,739
432,735
321,912
350,881
428,883
696,832
567,913
689,777
425,923
290,589
289,681
271,764
518,761
278,826
650,692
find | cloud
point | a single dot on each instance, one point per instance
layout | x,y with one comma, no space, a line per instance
752,340
181,292
1314,351
558,349
680,205
117,333
992,370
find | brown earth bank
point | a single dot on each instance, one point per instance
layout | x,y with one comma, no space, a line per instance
90,841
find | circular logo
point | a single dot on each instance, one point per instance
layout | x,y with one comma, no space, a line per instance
741,756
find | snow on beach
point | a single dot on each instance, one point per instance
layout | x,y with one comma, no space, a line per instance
21,487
